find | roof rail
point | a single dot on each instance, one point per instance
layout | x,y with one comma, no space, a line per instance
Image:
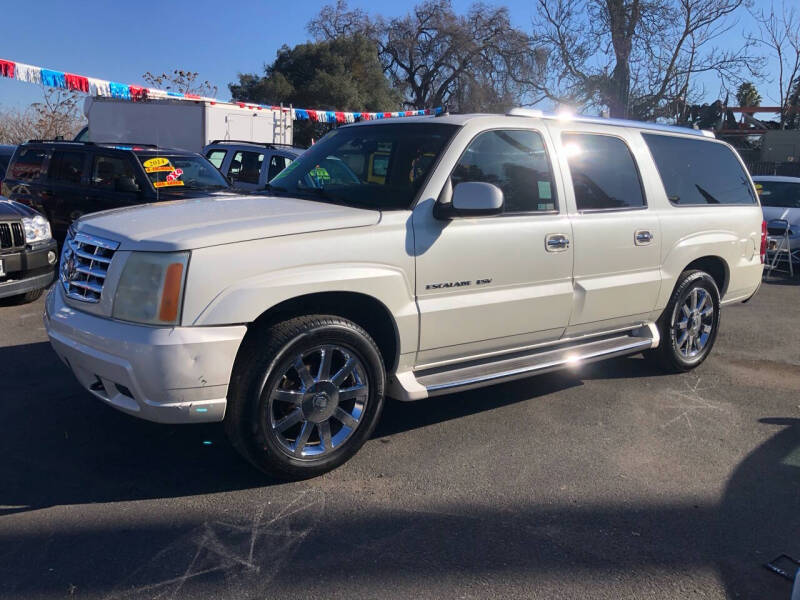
59,142
535,113
273,145
126,144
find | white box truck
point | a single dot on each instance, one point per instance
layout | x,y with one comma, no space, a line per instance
186,124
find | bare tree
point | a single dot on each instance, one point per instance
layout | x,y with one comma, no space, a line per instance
185,82
637,58
436,57
57,116
779,33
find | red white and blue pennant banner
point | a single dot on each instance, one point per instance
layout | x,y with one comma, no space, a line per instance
112,89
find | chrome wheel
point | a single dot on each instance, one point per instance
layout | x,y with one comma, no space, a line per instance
693,323
318,401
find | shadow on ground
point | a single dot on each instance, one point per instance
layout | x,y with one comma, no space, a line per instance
64,447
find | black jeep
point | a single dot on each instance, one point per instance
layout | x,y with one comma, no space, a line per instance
27,252
65,180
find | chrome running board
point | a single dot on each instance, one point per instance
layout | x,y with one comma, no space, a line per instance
465,376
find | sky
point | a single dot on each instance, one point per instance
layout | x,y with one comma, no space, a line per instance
121,40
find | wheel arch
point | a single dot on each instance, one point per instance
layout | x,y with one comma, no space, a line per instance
363,309
716,266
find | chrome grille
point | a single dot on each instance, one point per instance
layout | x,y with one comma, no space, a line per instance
84,263
11,235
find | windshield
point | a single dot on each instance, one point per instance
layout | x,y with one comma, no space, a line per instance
373,166
785,194
175,173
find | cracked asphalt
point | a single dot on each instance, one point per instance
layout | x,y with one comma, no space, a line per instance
612,481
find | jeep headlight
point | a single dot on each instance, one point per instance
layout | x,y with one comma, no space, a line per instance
37,229
150,290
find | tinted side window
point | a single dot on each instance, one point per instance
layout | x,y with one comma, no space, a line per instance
699,171
276,165
28,164
66,167
246,167
113,173
516,162
215,157
604,174
779,193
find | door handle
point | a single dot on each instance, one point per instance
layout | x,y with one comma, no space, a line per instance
643,237
556,242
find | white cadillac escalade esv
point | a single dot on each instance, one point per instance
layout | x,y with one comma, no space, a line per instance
408,259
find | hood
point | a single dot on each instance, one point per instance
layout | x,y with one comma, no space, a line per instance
779,212
215,220
14,210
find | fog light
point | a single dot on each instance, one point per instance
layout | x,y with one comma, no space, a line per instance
51,257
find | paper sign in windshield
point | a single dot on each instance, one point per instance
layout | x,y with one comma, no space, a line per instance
176,174
159,161
164,169
160,184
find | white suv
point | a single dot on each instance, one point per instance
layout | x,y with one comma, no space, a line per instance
250,165
408,259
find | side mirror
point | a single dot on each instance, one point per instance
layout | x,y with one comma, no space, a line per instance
468,199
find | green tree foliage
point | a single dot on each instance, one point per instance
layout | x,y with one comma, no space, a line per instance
747,95
341,74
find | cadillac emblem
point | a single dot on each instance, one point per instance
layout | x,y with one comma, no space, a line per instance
68,268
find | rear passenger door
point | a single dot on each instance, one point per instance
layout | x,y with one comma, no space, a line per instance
245,169
64,190
277,163
617,270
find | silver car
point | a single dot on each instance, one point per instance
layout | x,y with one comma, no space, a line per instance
780,203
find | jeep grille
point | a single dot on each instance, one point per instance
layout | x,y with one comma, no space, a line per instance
11,235
84,263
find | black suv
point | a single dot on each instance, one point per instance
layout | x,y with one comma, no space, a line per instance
27,252
64,180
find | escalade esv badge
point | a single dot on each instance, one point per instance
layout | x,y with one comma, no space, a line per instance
453,284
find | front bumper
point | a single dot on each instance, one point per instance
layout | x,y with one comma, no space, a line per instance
167,375
27,270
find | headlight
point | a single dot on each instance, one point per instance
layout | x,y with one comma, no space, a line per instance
150,289
37,229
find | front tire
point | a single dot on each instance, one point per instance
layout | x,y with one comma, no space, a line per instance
307,394
27,297
688,326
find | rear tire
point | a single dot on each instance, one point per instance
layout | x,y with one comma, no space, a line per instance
306,394
688,326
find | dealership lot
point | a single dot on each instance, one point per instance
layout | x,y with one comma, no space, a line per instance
613,481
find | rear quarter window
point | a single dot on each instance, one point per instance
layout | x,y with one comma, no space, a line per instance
28,164
697,172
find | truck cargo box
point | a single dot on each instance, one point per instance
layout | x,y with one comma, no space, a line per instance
189,125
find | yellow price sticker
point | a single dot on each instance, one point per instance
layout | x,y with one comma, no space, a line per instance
156,162
164,169
160,184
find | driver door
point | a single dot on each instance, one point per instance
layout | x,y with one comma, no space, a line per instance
492,283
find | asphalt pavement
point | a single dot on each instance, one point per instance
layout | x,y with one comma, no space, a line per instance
613,481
